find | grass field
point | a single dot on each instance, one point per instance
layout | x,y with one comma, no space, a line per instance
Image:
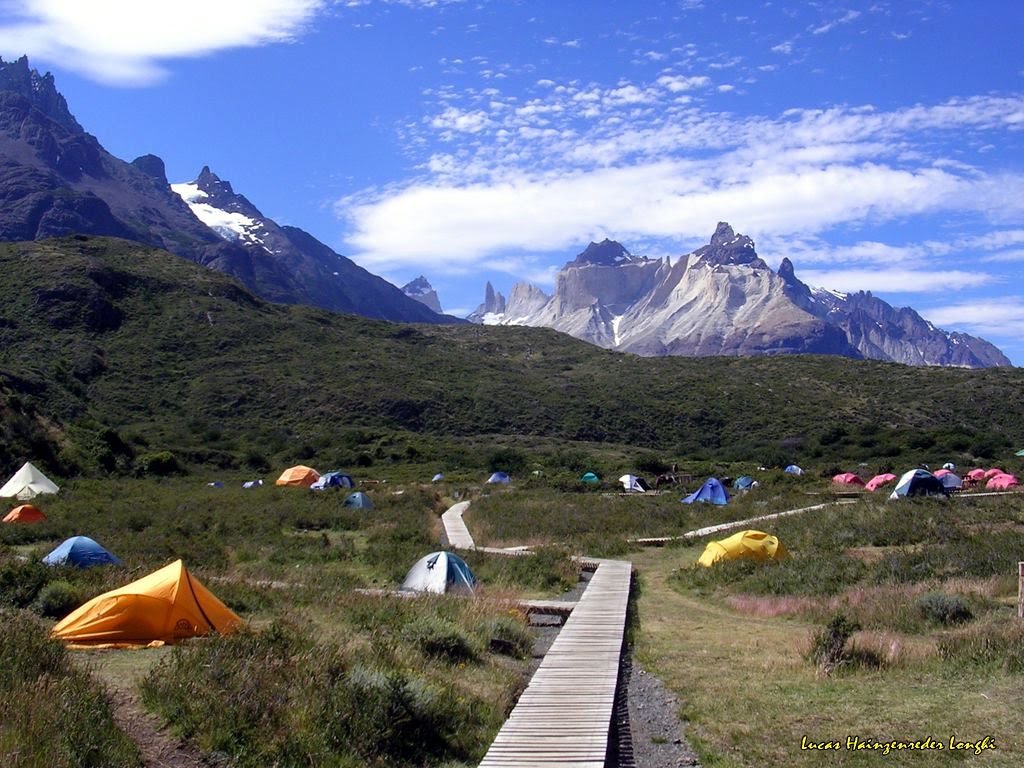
328,675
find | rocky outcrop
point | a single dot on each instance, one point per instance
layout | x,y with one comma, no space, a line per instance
422,291
723,299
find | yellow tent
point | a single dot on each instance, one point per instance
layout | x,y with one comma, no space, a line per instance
750,544
299,475
167,605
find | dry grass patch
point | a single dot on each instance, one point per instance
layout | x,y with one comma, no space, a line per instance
750,697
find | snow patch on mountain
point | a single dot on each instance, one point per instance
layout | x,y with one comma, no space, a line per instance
229,225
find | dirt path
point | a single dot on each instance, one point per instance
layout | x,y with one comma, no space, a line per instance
159,748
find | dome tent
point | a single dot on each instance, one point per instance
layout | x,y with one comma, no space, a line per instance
499,477
918,482
440,572
753,545
25,513
634,484
793,469
712,491
81,552
169,604
299,475
359,500
590,478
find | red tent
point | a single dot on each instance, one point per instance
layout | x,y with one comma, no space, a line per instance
1001,482
878,481
26,513
847,478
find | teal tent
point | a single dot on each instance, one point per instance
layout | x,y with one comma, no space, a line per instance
590,479
359,500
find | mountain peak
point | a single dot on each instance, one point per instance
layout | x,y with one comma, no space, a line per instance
729,249
40,90
210,183
607,253
422,291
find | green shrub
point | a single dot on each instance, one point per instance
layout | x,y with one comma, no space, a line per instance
944,609
160,463
507,635
439,638
57,599
20,583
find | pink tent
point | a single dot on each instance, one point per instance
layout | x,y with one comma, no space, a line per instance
878,481
1001,482
993,472
976,474
847,478
941,472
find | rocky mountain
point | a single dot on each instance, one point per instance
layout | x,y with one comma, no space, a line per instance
56,179
723,299
422,291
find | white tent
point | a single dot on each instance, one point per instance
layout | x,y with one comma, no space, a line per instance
634,483
440,572
28,482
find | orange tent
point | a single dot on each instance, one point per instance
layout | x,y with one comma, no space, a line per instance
26,513
299,475
167,605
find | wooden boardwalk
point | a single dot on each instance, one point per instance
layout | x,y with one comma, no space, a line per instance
565,714
564,717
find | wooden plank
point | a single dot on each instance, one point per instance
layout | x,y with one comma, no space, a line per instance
564,715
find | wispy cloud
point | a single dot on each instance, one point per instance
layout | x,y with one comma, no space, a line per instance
125,42
830,25
990,317
641,161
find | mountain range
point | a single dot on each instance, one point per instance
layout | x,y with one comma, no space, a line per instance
723,299
56,179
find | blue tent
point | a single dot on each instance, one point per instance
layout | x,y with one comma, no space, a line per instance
499,477
743,483
793,469
359,500
333,479
81,551
712,491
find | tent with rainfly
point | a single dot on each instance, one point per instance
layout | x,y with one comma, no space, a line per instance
499,478
1002,482
169,604
333,479
793,469
440,572
589,478
755,545
918,482
81,552
847,478
299,475
27,483
878,481
25,513
712,491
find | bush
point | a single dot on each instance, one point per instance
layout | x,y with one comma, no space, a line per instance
828,649
439,638
160,463
57,599
507,635
944,609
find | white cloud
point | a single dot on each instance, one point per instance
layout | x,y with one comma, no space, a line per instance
991,317
124,41
894,280
830,25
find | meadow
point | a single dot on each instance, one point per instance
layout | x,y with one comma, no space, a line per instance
891,621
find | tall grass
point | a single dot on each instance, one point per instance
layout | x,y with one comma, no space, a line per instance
51,713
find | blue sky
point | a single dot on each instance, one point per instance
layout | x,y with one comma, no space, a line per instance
879,145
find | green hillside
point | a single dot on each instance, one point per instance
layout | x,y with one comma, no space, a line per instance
117,357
